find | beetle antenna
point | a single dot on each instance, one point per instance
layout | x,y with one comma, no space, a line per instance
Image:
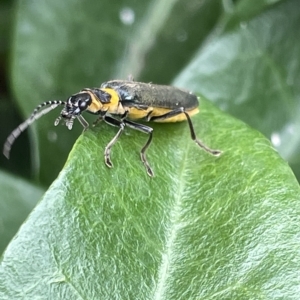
38,112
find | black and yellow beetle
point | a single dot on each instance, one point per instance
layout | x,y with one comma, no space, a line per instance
126,100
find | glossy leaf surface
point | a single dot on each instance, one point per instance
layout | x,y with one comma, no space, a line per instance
202,228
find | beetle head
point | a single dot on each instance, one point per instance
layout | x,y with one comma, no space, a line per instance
74,106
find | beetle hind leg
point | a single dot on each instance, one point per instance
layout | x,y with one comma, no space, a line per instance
179,111
197,141
143,156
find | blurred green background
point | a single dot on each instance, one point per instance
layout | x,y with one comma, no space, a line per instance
242,55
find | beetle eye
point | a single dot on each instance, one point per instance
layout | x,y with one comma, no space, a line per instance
82,104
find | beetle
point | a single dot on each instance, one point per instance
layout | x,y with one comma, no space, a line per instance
119,103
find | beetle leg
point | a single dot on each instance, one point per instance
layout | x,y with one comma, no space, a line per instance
148,130
114,122
100,118
83,122
121,123
179,111
123,117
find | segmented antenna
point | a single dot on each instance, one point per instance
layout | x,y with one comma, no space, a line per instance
36,114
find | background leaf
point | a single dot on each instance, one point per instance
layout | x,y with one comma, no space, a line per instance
257,77
18,198
208,227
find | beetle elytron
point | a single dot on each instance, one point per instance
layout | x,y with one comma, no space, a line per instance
126,100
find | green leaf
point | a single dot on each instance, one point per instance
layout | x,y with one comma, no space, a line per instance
244,10
18,198
171,46
202,228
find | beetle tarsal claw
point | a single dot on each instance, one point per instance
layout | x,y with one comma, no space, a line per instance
216,152
108,162
149,171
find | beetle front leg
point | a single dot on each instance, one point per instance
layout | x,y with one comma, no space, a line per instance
83,122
